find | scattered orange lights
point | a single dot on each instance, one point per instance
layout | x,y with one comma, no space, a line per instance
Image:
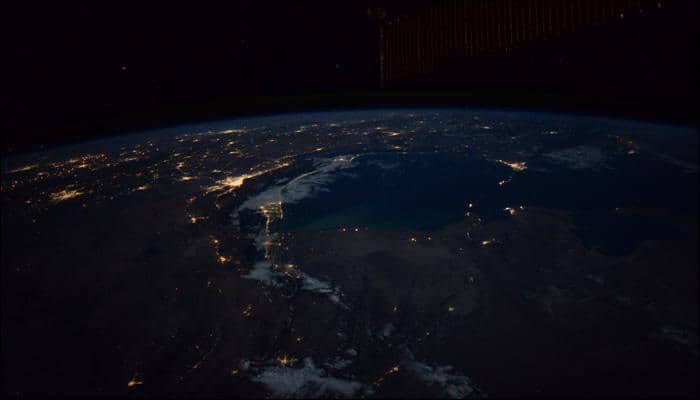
248,310
134,382
194,219
285,360
65,194
514,165
24,168
503,181
231,183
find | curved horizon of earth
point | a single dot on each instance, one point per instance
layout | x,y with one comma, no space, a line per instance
405,253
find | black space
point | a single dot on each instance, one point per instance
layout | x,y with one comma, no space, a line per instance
78,70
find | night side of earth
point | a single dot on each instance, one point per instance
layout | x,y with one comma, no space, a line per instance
446,252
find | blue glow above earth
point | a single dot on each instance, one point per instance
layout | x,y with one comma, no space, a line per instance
409,253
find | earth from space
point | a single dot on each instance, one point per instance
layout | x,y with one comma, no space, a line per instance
372,253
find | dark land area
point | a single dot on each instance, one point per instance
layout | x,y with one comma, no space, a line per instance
413,253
